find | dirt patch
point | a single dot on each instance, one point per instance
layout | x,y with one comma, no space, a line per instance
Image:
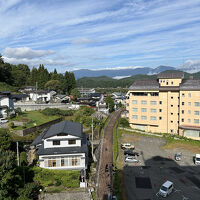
189,147
130,138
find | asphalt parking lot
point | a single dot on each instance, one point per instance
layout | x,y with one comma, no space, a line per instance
143,180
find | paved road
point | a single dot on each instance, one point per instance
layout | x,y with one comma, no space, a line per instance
106,156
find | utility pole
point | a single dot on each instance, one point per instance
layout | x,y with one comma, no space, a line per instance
92,138
17,153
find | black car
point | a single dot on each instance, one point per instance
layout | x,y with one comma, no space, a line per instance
131,153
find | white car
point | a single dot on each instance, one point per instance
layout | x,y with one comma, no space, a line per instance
131,159
3,120
127,146
197,159
166,189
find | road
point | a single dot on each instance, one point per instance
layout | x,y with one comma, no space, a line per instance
106,157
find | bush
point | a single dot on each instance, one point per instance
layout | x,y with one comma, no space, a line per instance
124,123
56,111
11,124
49,177
23,158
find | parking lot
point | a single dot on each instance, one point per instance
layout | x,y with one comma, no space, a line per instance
142,180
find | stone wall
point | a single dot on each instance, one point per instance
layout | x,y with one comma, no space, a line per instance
28,131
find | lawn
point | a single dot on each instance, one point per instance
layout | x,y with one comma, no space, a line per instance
33,118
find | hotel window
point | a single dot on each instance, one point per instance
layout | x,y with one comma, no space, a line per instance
143,110
172,83
143,117
134,116
196,112
153,110
160,110
189,120
196,104
134,109
160,118
182,120
183,103
167,82
171,130
172,113
144,102
154,94
160,102
134,102
183,95
182,111
189,94
153,102
196,121
71,141
153,118
172,105
56,142
171,121
189,111
189,103
172,97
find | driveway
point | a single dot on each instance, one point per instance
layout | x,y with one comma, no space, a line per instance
143,180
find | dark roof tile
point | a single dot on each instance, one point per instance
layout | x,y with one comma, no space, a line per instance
171,75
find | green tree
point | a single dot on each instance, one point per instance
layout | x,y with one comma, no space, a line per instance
5,140
53,85
124,123
23,159
75,93
43,76
110,103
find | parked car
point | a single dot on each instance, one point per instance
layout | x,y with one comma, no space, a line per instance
131,159
178,156
197,159
166,188
3,120
127,146
130,153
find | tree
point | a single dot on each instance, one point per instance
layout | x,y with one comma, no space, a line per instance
110,103
23,158
53,85
124,123
75,93
5,140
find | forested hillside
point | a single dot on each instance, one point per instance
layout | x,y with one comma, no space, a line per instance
13,77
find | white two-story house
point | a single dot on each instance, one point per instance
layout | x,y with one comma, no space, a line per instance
62,146
6,103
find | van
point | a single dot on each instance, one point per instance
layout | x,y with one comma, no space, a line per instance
197,159
166,188
3,120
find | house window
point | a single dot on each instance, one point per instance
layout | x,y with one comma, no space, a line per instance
62,162
135,109
134,116
182,120
189,111
56,142
71,141
153,110
153,102
160,118
134,102
52,163
196,112
196,104
143,117
189,103
160,102
153,118
75,161
143,102
189,120
183,103
160,110
196,121
143,110
189,94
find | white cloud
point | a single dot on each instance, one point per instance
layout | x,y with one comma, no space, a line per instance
190,66
25,53
83,40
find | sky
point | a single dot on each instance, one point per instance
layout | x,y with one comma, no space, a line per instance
99,34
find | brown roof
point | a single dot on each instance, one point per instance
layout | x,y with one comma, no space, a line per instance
171,75
190,85
144,84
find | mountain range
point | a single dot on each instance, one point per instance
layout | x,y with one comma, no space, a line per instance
118,73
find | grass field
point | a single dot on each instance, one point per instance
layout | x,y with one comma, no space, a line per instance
33,118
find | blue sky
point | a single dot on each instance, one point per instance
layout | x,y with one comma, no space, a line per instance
96,34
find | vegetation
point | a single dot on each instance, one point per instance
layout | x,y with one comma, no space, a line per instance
75,93
57,112
124,123
47,177
15,76
110,103
33,118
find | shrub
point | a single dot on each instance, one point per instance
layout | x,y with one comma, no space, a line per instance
23,158
124,123
11,124
56,111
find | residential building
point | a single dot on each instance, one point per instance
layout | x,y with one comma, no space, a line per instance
86,91
170,104
6,103
62,146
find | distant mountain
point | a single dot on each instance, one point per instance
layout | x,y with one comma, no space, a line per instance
122,72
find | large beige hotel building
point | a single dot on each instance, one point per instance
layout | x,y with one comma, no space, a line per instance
170,104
